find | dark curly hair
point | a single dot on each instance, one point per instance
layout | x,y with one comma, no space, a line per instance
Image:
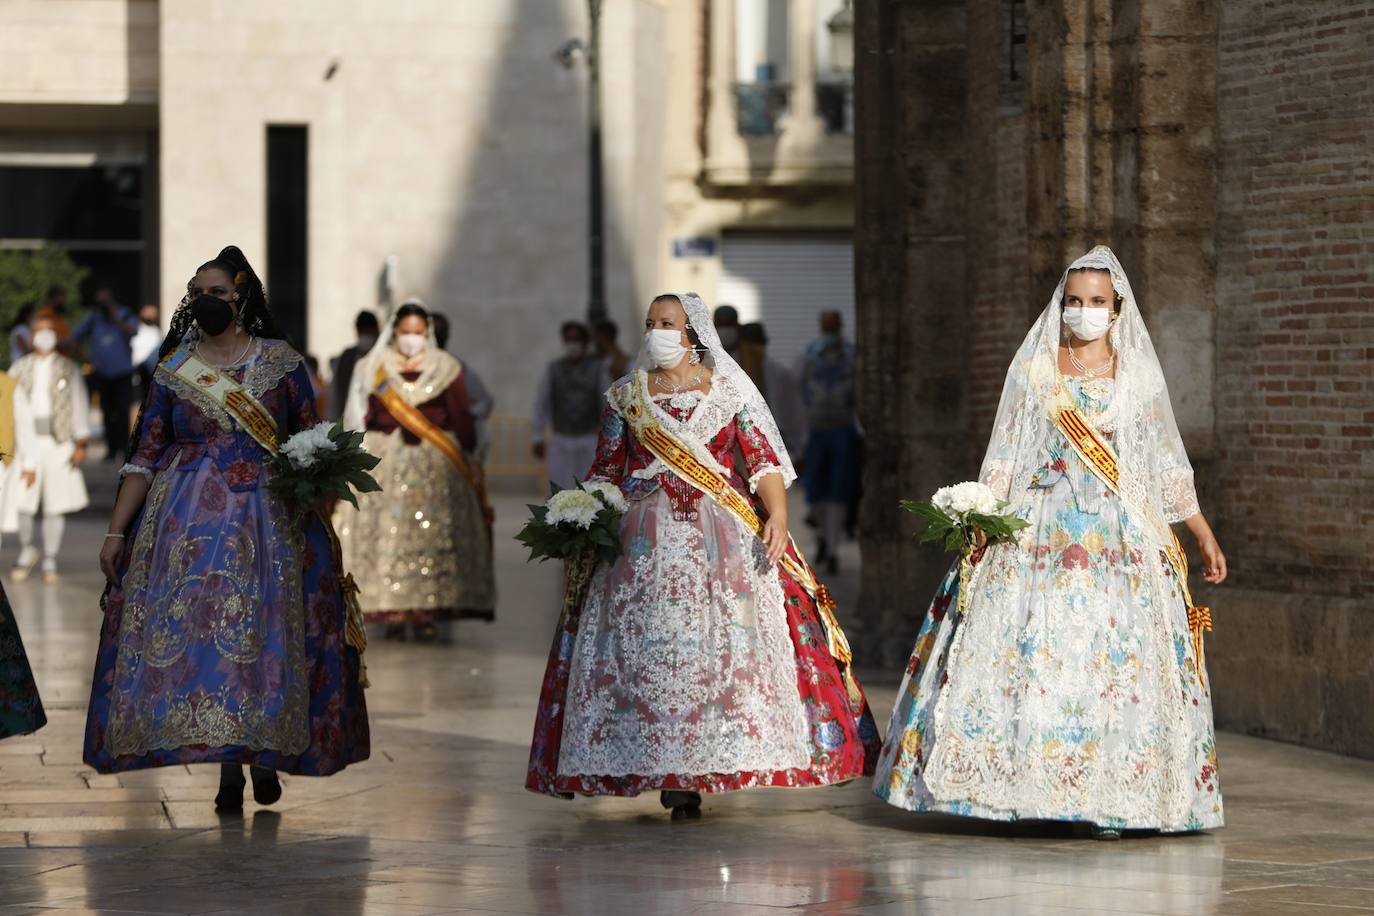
253,311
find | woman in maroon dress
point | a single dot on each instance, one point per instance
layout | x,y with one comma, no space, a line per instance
421,549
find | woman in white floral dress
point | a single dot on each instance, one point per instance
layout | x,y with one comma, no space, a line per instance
1072,687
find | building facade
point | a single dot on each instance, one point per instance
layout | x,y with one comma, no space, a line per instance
327,140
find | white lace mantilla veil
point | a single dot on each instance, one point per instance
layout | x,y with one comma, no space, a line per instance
723,366
440,368
1155,475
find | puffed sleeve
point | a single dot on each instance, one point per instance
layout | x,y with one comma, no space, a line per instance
760,459
612,448
156,434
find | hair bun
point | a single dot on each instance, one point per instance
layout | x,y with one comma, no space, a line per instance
230,254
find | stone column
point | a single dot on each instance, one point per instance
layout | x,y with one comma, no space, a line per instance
1164,98
912,334
1121,151
723,141
804,124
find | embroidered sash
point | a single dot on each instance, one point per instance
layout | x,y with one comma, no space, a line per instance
1098,455
419,426
680,459
221,388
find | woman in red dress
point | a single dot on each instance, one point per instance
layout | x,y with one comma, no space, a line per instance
700,661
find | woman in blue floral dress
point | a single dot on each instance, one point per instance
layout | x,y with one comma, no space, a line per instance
225,637
1072,685
21,711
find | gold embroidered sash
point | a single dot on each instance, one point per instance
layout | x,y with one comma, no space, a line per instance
418,425
1098,455
221,388
681,460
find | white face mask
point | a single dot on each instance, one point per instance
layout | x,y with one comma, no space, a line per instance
665,347
574,349
410,344
45,341
1087,324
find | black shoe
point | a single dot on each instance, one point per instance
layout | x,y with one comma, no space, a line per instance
266,786
686,806
231,782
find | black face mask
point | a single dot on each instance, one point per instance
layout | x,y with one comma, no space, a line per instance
212,313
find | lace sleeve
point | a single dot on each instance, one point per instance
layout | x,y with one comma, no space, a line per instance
1179,497
612,448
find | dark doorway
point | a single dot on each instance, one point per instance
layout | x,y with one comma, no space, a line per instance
288,150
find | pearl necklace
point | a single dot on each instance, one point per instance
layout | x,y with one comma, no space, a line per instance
670,388
1091,373
238,359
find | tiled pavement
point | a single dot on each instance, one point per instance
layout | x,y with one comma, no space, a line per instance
437,821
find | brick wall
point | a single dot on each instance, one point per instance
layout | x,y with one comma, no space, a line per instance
1293,480
1295,416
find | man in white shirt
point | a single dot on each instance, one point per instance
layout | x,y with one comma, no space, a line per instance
144,348
51,428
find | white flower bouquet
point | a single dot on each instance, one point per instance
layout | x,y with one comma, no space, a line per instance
322,462
955,513
580,525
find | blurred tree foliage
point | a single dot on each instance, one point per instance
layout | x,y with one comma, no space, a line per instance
26,275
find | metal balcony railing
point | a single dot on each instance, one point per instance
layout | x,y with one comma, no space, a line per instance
835,105
760,107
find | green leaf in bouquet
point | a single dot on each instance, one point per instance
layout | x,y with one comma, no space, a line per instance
924,509
998,527
932,534
363,482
